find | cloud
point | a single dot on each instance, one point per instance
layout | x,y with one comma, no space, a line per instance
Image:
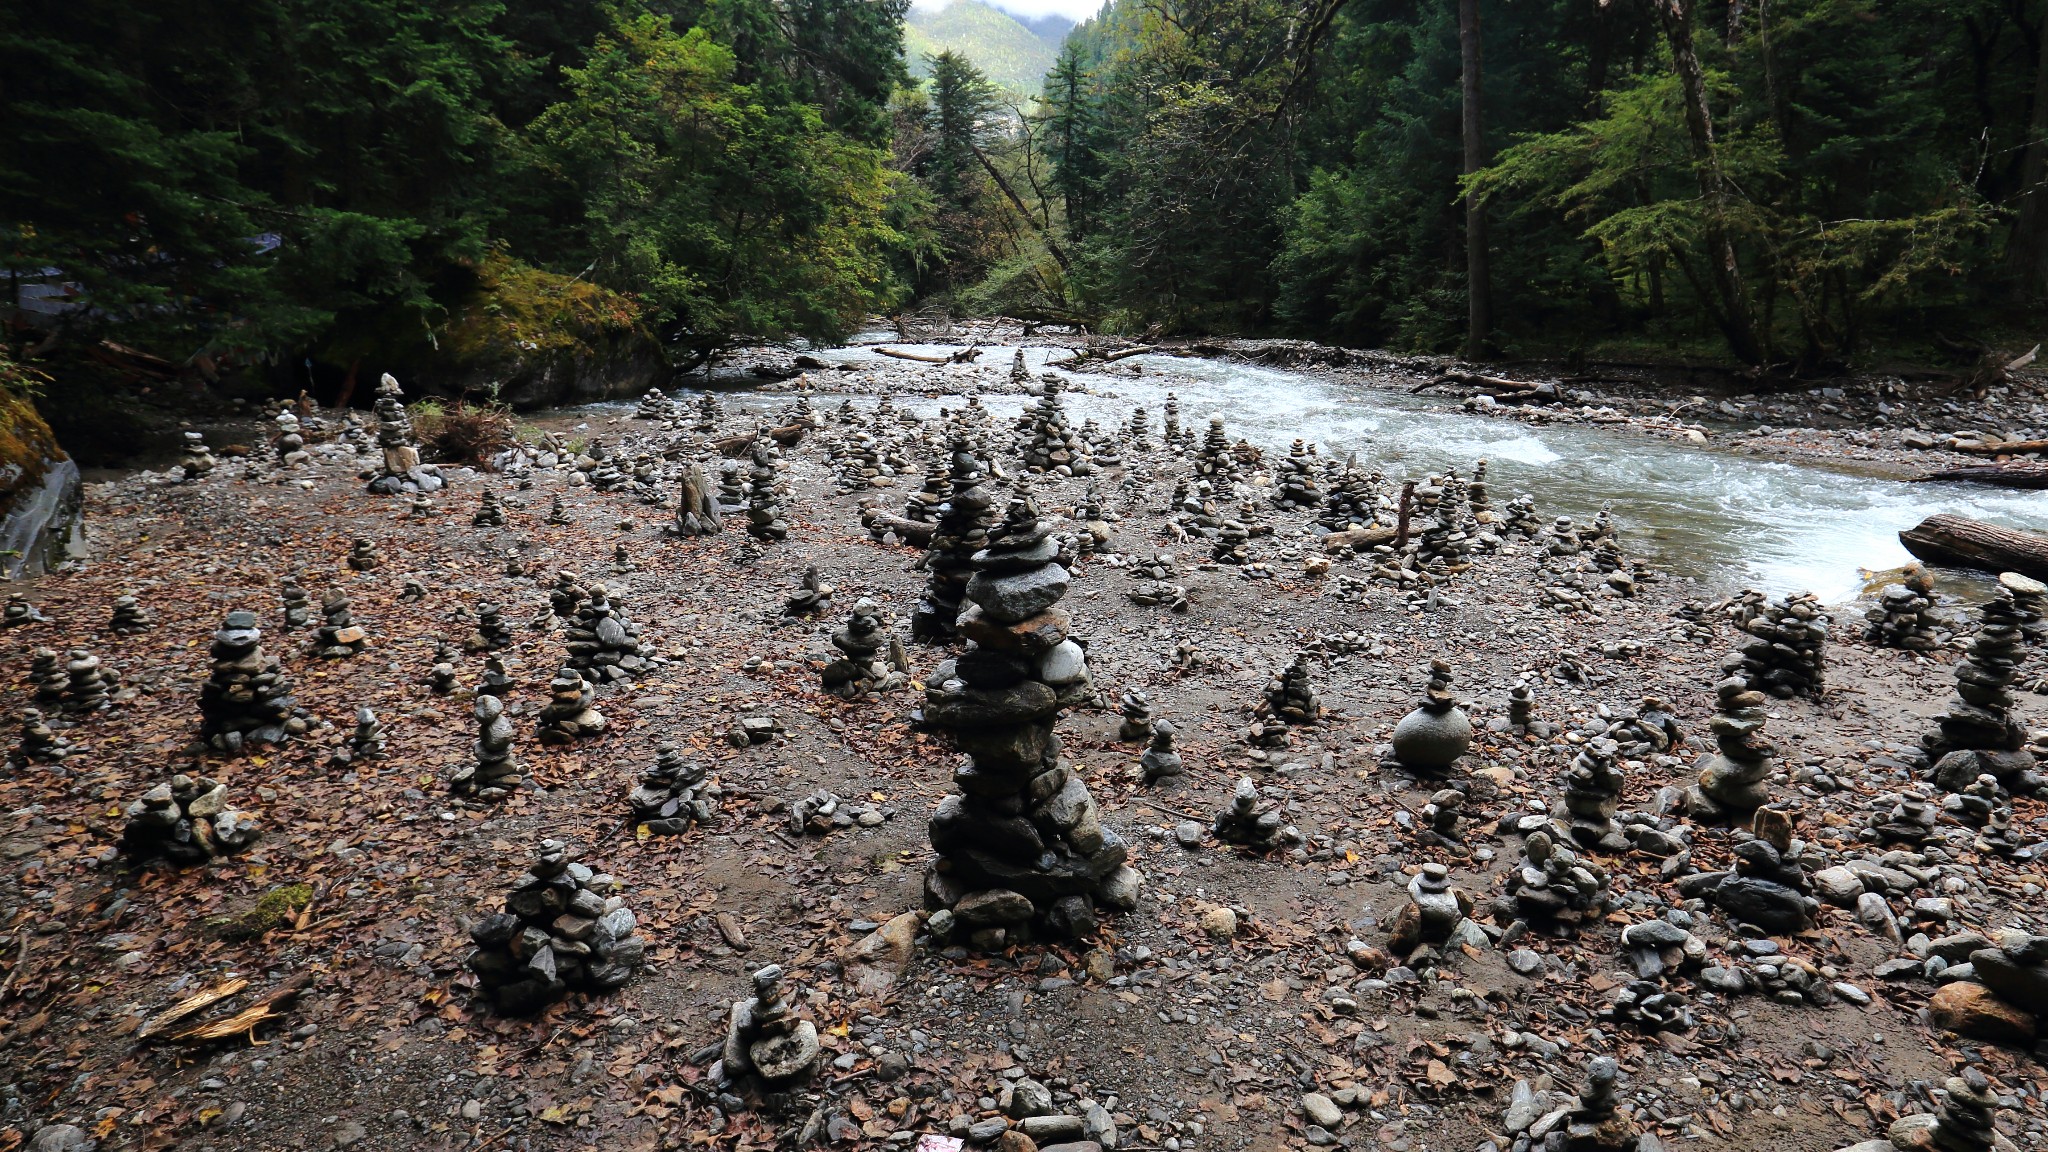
1075,10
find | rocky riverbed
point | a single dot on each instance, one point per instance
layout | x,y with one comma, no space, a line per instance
1279,994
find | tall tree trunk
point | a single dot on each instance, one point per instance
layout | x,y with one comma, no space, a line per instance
2027,250
1737,325
1478,279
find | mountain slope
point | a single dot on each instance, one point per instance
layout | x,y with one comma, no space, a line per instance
1008,51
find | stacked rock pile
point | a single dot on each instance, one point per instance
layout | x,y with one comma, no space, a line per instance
1216,463
862,665
765,1038
362,555
1592,793
297,604
1295,484
1022,849
1787,653
961,531
40,744
197,460
1161,763
246,698
673,794
1978,734
490,511
764,505
1250,823
1733,782
88,685
494,770
571,711
563,927
129,617
1905,616
603,645
1429,740
339,636
186,820
399,468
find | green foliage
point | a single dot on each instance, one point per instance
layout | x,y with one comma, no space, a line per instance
1010,54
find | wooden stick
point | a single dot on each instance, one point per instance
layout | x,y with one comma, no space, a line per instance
917,356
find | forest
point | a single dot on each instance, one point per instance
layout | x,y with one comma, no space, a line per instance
1807,185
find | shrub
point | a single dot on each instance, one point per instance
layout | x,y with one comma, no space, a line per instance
462,433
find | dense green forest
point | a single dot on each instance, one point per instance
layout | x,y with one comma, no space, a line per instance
1804,183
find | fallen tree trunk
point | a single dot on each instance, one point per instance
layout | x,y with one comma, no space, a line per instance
2001,447
963,356
2011,475
909,531
1497,383
1960,542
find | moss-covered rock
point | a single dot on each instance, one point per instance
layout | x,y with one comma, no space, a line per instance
39,487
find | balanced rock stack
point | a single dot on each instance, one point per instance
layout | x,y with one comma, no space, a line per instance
603,644
1594,1123
1251,824
339,636
197,460
245,699
46,672
1294,483
1160,762
88,684
1733,781
19,612
298,606
2015,968
1904,616
1291,696
1022,849
697,508
764,507
290,443
1553,887
1978,735
571,711
399,469
923,505
563,927
1136,708
567,595
1787,652
1520,518
185,820
1435,910
1053,445
673,794
1769,887
490,511
1216,463
653,406
708,412
129,617
1592,792
1351,502
962,530
40,744
1170,429
362,555
1966,1122
1429,740
496,771
493,633
765,1038
862,666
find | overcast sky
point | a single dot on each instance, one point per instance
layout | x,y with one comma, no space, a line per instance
1076,10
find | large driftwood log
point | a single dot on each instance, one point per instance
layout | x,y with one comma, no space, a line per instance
2001,447
1961,542
2013,474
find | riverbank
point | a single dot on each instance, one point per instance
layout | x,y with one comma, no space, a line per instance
1190,1029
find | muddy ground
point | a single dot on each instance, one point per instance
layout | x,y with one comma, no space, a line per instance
1190,1042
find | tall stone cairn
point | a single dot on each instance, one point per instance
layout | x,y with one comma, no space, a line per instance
1978,735
764,506
961,531
494,770
1732,781
1905,616
1216,463
1787,653
399,470
603,645
246,698
1022,850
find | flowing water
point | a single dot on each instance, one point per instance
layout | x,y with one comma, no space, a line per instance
1730,519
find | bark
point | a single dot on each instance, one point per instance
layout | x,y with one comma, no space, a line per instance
2013,474
1737,324
1960,542
2027,249
1478,277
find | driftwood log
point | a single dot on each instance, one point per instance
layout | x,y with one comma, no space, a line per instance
963,356
2012,474
909,531
1960,542
2001,447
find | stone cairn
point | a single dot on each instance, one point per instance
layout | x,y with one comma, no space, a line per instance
1787,651
1216,463
1351,502
1429,740
1170,429
1733,782
1593,1123
811,598
40,744
1967,1121
697,508
570,712
1136,708
185,820
1053,445
1592,793
493,632
339,636
197,461
399,469
1904,616
245,699
490,511
1294,484
961,531
88,685
1520,518
563,927
708,412
923,505
129,617
1022,850
362,555
764,507
46,672
766,1039
863,665
653,406
1553,887
367,742
558,513
1768,887
673,794
495,770
1289,701
603,645
1161,763
297,605
1978,735
567,595
1435,910
19,612
1249,823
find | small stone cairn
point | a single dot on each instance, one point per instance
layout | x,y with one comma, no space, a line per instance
567,595
1295,485
88,685
362,555
297,605
766,1039
1769,887
1733,782
1787,652
961,531
339,636
1053,445
1905,616
571,711
1216,463
1553,887
1435,911
1978,734
490,511
1967,1121
1249,823
1594,1123
1520,519
863,665
764,507
563,927
46,672
1290,701
1022,849
495,771
811,598
399,469
19,612
603,644
1160,763
653,406
1136,709
1429,740
185,820
197,461
40,744
673,794
245,699
1170,429
129,617
1592,793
